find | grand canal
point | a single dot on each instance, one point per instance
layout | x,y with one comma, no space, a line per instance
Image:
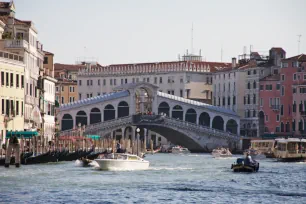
194,178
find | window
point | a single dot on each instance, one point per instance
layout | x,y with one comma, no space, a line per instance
7,79
249,99
126,81
181,93
277,118
284,64
91,82
71,89
223,101
181,80
249,85
133,80
111,82
229,101
188,79
21,107
293,125
269,87
63,100
104,82
249,72
56,88
122,81
234,100
98,94
2,106
144,79
254,85
224,87
155,80
90,94
87,95
254,113
45,60
115,82
71,99
137,80
80,96
261,102
277,86
254,72
294,107
2,78
70,76
283,90
282,109
62,88
22,81
188,92
261,87
30,89
99,82
267,118
305,77
283,77
17,80
148,80
293,90
87,82
294,77
254,99
160,80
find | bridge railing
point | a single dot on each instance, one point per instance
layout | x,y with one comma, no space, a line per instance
201,128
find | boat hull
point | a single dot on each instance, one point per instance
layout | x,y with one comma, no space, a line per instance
114,164
244,168
216,155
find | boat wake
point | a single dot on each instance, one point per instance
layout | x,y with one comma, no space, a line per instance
78,163
169,168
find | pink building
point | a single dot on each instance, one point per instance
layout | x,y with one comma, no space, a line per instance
269,104
282,108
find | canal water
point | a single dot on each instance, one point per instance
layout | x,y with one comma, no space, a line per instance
193,178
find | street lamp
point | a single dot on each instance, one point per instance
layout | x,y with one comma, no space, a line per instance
137,130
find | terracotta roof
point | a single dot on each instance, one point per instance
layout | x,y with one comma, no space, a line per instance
69,67
275,77
4,4
278,49
4,19
300,58
48,53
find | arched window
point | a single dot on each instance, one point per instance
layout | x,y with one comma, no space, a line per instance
249,85
254,99
229,101
249,99
254,85
293,125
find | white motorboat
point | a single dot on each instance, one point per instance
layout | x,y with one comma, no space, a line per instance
179,150
221,152
122,162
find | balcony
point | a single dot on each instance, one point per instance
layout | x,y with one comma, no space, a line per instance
303,114
16,44
276,107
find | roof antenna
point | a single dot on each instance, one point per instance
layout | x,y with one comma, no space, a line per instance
299,41
191,38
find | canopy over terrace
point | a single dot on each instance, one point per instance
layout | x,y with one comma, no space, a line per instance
20,134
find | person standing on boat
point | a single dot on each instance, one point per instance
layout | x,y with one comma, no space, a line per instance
248,160
118,147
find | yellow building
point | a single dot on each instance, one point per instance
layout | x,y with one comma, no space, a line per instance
12,82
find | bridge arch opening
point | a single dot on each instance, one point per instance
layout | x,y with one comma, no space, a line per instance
123,109
218,123
81,118
177,112
67,122
232,126
95,116
191,116
164,108
109,112
204,119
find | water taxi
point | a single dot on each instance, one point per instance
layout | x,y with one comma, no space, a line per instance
291,149
122,162
179,150
261,149
221,152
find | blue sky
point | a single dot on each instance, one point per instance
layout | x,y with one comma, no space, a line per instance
121,31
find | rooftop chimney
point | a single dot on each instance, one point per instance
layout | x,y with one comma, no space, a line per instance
233,62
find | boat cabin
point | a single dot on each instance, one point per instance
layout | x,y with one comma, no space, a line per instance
291,148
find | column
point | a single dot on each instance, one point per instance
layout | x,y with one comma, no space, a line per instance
145,139
224,125
133,133
123,135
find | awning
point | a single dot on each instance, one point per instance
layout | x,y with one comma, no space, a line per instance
19,134
94,137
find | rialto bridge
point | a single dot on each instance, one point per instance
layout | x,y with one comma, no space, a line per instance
195,125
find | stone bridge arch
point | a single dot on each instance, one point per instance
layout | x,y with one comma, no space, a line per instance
81,118
67,122
218,123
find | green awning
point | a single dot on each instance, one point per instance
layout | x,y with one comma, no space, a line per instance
19,134
94,137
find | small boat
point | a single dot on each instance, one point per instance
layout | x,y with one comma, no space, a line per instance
179,150
122,162
221,152
239,166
